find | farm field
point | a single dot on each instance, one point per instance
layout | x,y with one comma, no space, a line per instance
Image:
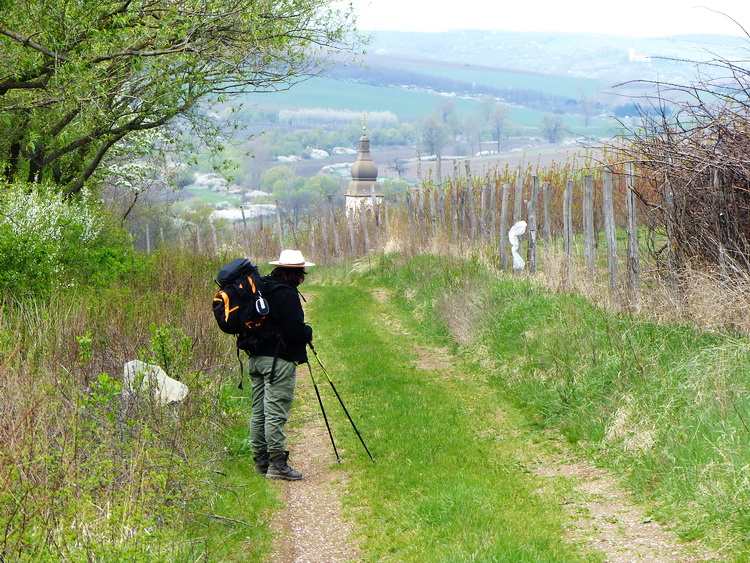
332,94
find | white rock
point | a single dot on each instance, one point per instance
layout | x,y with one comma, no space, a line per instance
142,376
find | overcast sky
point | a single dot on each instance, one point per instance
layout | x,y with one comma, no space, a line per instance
639,18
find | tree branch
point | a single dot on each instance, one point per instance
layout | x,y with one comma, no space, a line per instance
36,46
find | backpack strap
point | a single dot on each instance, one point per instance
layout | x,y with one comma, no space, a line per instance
271,285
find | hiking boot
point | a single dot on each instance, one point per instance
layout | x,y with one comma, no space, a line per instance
278,468
261,462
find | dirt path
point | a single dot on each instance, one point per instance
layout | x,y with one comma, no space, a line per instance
310,527
602,516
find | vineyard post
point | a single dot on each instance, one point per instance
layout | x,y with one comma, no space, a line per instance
504,225
568,228
547,226
588,223
441,206
421,196
632,223
472,203
245,233
278,226
311,236
531,227
324,231
215,238
493,214
483,210
375,214
454,209
517,209
386,218
609,227
350,223
336,241
363,218
439,171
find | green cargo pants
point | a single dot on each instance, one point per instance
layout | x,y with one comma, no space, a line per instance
272,401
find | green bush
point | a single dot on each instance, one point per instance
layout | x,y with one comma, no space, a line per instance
49,242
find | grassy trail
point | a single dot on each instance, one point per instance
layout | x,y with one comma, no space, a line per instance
454,476
461,474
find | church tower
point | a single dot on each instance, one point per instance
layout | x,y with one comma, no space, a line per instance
364,183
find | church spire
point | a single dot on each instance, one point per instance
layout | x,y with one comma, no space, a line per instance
364,171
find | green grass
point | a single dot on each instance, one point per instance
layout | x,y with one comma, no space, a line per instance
665,407
333,94
213,197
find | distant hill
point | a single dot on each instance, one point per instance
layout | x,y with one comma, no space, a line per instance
591,56
406,73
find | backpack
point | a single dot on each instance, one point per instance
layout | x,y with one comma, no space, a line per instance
240,307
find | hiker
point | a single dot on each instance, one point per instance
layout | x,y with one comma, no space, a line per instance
273,366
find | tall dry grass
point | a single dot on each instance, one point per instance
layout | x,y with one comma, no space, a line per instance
702,297
85,472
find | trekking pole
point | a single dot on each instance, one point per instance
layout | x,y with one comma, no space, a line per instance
320,402
328,377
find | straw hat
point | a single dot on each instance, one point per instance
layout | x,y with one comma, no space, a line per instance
291,259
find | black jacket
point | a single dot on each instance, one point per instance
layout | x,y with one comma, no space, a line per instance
287,314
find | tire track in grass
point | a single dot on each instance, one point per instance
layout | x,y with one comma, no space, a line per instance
601,514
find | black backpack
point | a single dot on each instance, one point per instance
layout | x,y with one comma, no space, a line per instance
240,307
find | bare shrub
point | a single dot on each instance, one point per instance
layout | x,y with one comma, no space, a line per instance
691,145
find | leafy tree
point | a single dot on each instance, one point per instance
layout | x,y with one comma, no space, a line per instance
444,109
254,162
486,105
552,127
276,179
323,186
495,118
433,134
473,132
498,123
78,78
47,242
